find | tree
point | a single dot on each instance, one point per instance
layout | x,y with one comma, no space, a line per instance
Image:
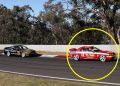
110,9
54,16
80,20
22,24
104,11
15,24
5,24
56,25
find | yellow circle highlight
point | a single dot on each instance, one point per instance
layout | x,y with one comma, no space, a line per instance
88,79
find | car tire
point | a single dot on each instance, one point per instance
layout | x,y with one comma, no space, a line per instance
8,53
23,55
103,58
76,57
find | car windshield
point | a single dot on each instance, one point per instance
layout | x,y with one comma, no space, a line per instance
95,49
24,47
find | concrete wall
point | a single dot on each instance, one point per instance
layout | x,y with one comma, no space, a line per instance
62,48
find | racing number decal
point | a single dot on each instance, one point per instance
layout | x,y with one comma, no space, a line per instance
82,54
91,56
87,55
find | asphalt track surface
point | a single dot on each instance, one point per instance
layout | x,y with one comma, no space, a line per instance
57,67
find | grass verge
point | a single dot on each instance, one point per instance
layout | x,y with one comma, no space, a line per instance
7,79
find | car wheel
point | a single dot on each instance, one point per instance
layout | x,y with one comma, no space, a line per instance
23,55
8,53
76,57
103,58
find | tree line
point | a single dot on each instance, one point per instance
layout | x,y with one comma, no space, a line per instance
59,21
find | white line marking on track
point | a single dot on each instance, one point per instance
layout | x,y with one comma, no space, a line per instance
59,78
50,56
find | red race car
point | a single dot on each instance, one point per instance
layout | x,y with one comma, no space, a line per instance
91,52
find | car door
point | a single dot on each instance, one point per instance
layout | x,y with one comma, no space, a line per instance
12,50
87,53
84,53
18,50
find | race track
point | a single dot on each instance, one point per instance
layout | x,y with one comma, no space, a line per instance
57,67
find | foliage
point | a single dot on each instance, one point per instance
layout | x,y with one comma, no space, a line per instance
57,24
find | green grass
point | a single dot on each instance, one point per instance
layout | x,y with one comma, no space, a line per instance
7,79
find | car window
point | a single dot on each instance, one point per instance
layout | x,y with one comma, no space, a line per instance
86,49
17,47
20,47
24,47
12,48
95,49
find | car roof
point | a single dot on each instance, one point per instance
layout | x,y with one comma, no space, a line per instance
86,46
16,45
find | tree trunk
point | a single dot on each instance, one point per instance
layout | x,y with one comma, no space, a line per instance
56,42
118,35
115,33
